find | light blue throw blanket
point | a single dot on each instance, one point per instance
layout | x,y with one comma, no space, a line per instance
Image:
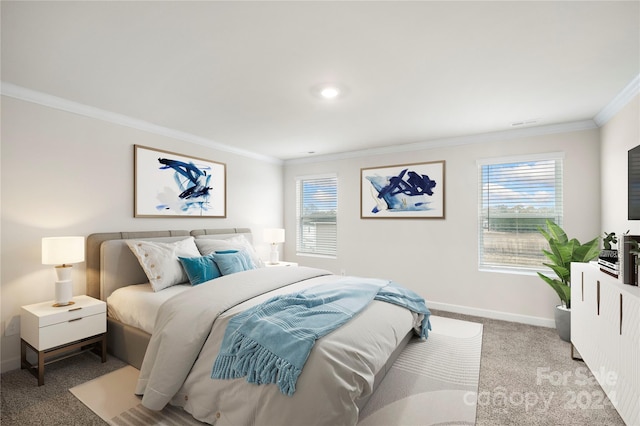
271,342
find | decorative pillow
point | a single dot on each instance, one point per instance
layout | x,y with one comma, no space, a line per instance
160,260
232,261
200,269
239,242
210,246
245,244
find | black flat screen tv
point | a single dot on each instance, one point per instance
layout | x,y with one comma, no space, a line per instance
633,183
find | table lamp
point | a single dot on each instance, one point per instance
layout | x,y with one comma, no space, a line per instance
61,251
274,236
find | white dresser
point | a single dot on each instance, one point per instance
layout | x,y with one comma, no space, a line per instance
51,331
605,329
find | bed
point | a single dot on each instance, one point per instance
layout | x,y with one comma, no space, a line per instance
189,325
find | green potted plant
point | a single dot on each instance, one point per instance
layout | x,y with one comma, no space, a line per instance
562,251
609,238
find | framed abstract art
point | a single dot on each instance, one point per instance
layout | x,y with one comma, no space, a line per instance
405,191
168,184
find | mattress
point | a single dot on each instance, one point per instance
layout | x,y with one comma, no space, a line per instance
137,305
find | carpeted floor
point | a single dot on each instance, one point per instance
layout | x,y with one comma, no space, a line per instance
526,378
26,403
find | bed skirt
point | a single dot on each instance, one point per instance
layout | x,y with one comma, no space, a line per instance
126,343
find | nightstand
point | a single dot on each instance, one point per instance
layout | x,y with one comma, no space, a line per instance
51,331
271,265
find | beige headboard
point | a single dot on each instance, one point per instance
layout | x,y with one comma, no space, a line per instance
125,258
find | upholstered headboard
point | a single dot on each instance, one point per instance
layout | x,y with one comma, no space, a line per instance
121,266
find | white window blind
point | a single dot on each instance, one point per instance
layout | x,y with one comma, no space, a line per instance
516,196
316,215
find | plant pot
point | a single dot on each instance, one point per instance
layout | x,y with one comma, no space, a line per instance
563,322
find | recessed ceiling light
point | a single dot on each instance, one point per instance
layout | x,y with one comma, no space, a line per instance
329,91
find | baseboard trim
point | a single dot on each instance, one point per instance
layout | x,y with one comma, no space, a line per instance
488,313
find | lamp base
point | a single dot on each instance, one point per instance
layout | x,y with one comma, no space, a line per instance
60,305
64,293
274,256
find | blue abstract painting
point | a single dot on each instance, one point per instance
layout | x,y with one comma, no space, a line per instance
404,191
170,184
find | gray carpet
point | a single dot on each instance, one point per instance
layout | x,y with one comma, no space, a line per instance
520,382
515,389
26,403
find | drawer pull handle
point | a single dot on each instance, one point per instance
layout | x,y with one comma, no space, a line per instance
621,314
598,297
75,309
75,319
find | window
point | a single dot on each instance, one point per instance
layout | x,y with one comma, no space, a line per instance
316,215
517,195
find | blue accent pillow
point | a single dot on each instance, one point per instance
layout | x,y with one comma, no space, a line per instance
200,269
232,261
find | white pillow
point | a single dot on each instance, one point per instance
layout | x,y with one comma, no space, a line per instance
160,260
239,242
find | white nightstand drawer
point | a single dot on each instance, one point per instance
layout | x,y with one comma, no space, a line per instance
75,329
44,314
44,326
70,313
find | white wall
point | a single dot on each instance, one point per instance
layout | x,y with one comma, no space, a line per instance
438,258
65,174
618,136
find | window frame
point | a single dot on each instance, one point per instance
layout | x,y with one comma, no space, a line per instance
303,251
558,214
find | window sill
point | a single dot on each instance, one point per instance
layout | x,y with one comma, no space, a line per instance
515,271
323,256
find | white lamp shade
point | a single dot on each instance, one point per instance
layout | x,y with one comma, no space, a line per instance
62,250
274,235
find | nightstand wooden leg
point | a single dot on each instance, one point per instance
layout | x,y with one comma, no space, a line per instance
23,355
40,368
99,347
103,348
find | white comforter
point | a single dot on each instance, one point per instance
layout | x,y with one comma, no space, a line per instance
339,371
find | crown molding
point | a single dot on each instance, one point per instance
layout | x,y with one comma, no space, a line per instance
33,96
22,93
622,99
626,95
454,141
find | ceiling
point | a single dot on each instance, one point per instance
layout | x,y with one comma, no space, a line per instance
242,74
